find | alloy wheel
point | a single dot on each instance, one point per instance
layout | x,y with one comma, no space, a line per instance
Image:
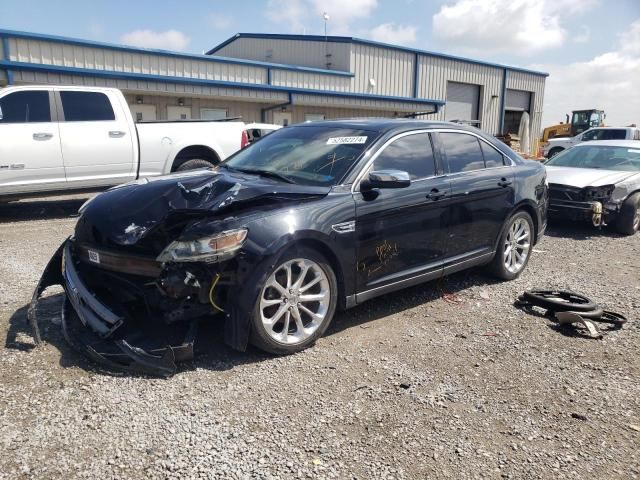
294,301
517,245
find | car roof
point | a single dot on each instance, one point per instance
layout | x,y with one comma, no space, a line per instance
385,124
610,143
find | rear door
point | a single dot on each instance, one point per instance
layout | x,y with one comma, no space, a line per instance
30,156
401,232
482,194
97,144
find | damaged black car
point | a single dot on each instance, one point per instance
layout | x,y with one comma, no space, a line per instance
311,219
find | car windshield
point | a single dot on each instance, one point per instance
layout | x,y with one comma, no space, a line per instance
605,157
308,155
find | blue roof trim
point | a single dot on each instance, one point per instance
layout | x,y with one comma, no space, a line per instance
167,53
39,67
362,41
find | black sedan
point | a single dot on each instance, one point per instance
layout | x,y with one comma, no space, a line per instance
310,219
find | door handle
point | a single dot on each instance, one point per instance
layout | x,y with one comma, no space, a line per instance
436,194
504,182
116,134
42,136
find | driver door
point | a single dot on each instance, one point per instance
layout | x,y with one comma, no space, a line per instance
401,233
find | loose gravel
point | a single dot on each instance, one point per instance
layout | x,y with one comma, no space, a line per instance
443,380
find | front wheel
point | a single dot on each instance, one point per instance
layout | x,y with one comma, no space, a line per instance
514,247
628,221
296,303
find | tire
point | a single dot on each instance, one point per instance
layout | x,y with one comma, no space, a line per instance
589,315
193,164
560,301
554,151
628,221
269,336
498,266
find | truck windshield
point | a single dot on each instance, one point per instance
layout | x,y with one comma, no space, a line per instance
626,159
309,155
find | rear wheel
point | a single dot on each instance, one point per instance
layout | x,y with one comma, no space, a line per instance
514,247
296,303
628,221
193,164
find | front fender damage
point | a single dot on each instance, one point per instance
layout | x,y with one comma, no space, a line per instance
104,336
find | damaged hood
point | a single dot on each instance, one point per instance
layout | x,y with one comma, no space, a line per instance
127,213
586,177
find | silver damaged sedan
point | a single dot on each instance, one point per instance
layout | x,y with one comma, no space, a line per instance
597,182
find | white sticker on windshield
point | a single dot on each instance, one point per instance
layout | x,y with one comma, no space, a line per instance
633,151
344,140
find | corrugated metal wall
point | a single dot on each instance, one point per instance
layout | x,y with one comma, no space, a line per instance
392,70
142,87
298,113
364,103
435,72
287,78
67,55
535,85
307,53
250,112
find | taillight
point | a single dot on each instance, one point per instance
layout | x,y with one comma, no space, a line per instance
244,141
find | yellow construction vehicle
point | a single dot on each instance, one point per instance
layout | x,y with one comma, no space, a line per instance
581,120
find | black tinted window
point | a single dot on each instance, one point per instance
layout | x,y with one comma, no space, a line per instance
492,158
463,152
614,135
411,154
86,107
25,107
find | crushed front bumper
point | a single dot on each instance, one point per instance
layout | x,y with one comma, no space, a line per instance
593,211
96,331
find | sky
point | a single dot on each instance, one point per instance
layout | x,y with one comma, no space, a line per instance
591,48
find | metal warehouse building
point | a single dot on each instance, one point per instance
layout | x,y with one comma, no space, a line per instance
283,79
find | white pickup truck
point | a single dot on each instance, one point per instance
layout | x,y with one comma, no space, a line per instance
556,145
65,139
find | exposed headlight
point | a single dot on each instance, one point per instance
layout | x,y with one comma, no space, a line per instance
204,249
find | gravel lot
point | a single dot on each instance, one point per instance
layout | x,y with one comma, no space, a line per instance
410,385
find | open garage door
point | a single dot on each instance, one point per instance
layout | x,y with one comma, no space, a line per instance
516,102
463,101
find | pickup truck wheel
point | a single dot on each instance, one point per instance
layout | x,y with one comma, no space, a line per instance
193,164
514,247
554,151
295,304
628,221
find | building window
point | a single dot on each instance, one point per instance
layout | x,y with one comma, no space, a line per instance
213,113
313,117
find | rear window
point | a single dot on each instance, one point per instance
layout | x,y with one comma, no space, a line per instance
462,151
492,158
86,107
614,135
25,107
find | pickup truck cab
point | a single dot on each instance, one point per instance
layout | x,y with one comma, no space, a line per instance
556,145
64,139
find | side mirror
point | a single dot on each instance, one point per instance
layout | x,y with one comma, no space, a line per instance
386,179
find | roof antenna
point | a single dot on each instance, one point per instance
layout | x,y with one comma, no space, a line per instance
325,17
